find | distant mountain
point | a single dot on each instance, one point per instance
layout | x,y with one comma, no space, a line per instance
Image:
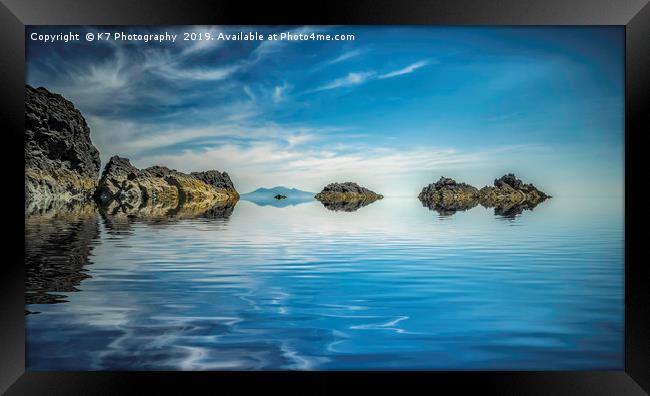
271,192
265,196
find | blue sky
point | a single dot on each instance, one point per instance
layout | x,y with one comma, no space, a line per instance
394,109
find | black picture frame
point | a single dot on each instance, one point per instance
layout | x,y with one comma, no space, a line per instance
15,14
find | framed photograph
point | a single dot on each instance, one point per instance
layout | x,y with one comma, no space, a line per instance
422,194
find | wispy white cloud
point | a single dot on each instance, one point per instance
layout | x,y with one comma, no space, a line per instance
211,74
298,139
357,78
236,123
406,70
169,65
203,44
344,56
269,47
279,92
349,80
249,92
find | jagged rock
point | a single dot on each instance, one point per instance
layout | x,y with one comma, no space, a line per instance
279,196
158,189
510,190
219,180
61,163
446,196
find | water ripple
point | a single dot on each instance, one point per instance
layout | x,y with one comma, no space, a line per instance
388,287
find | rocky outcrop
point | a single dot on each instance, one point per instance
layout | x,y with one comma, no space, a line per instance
446,196
510,196
218,180
347,197
510,190
158,189
280,196
61,163
348,191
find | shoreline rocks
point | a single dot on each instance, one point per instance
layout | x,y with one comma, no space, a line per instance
446,196
61,163
62,170
155,189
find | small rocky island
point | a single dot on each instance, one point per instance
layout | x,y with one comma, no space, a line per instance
346,196
508,196
279,196
446,196
62,169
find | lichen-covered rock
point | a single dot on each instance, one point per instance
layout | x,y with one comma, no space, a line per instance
61,163
446,196
218,180
158,189
348,191
508,190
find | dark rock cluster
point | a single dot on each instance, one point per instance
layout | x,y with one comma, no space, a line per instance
346,196
508,196
347,188
61,163
216,179
446,196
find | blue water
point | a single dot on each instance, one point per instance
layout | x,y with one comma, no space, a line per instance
390,286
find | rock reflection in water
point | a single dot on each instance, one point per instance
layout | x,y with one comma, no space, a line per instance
445,209
58,245
512,210
346,206
119,218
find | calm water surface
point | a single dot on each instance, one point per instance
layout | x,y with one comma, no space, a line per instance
390,286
